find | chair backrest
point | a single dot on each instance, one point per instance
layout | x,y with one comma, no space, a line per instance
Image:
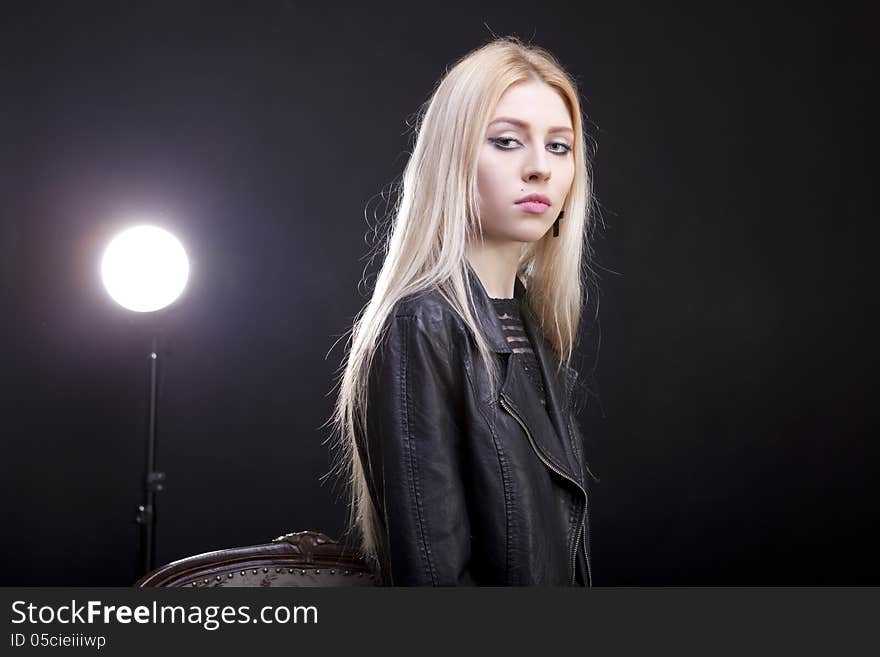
305,558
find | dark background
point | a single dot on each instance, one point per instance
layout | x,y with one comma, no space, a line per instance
731,418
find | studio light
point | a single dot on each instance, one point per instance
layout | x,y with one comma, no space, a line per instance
145,269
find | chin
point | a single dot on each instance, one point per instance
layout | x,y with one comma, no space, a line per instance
529,235
525,232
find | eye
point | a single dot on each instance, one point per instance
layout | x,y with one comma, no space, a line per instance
499,140
565,147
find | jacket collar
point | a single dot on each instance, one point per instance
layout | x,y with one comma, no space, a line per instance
485,310
557,449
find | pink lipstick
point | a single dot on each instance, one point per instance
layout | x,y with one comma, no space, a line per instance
536,203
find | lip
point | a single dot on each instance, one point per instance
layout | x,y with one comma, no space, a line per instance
536,198
534,207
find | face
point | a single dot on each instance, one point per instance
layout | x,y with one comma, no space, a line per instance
531,155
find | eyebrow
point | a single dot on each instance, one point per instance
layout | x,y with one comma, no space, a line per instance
523,124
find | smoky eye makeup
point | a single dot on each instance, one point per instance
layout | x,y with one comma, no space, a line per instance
560,147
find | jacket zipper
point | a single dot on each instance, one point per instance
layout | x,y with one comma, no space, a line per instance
587,510
586,553
508,407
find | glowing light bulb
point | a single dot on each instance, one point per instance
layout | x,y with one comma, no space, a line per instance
144,268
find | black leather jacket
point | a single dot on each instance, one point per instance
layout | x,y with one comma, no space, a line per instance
473,486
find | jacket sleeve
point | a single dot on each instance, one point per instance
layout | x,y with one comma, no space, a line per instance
416,450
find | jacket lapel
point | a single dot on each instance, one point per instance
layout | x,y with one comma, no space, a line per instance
557,389
548,427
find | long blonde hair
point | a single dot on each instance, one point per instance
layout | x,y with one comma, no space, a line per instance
435,216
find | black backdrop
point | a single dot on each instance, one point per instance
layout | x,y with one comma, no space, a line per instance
730,419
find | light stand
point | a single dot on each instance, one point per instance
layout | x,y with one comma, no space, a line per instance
145,269
153,480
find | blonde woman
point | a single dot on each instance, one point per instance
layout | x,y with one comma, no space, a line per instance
454,421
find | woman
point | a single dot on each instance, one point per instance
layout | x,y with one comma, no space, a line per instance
454,416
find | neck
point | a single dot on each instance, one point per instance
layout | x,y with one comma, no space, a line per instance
496,263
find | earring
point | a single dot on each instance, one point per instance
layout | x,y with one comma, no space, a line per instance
556,224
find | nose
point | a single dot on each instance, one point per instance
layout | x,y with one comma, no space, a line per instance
537,166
